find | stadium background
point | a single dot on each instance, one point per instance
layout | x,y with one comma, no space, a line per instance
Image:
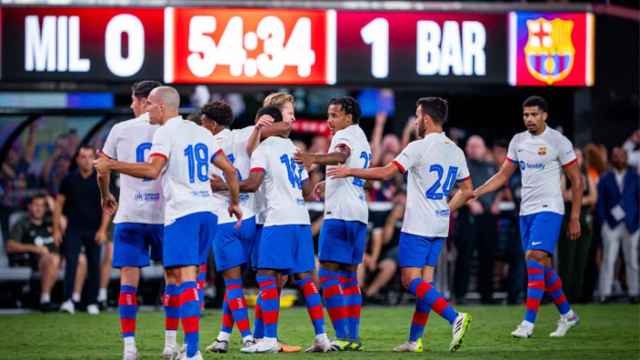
56,94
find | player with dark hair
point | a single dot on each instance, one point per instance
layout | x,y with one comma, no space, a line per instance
434,164
344,232
541,153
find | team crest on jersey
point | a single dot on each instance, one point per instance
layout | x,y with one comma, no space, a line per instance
542,151
549,52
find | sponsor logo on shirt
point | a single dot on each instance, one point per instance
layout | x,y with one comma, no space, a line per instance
146,196
202,193
443,213
534,166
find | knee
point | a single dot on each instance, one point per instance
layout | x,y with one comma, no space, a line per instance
388,266
537,256
406,280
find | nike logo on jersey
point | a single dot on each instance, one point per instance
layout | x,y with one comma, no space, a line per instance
536,243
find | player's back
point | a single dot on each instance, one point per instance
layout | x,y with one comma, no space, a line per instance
234,145
345,198
189,150
434,164
282,182
140,200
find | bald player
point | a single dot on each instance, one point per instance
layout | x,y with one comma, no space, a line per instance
182,152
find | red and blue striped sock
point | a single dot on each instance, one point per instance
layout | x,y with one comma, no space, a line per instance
258,324
190,315
553,285
314,303
270,305
238,305
353,301
171,302
128,306
433,299
202,283
226,325
535,289
334,301
419,320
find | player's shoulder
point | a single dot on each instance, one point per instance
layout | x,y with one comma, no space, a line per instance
555,136
244,132
519,137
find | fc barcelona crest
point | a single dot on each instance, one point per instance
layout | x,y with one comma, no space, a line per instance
549,51
542,151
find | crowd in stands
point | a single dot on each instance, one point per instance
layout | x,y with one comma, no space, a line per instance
51,221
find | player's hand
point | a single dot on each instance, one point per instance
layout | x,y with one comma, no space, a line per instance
217,183
573,230
339,172
370,263
234,210
102,163
264,121
101,236
304,158
318,189
57,237
109,204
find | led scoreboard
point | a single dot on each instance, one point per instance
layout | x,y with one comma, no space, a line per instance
419,47
184,45
249,46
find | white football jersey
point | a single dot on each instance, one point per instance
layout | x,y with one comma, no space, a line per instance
540,159
345,198
435,164
189,150
141,200
282,183
234,145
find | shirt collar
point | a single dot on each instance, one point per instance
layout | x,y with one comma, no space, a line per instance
173,119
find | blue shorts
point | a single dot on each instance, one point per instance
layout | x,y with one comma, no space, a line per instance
232,247
540,231
134,244
286,248
342,241
187,241
256,247
419,251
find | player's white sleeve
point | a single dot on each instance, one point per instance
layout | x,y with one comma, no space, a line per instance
512,153
215,146
161,143
110,147
304,175
342,139
409,156
259,159
566,154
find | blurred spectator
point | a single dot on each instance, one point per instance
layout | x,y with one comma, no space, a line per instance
383,259
618,208
509,247
632,147
105,272
79,200
31,244
595,157
574,254
14,175
476,228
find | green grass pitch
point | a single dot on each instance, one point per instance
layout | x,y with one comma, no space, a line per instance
605,332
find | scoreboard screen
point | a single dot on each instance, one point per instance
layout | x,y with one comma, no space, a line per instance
184,45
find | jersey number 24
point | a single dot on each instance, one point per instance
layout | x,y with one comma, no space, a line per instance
440,190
